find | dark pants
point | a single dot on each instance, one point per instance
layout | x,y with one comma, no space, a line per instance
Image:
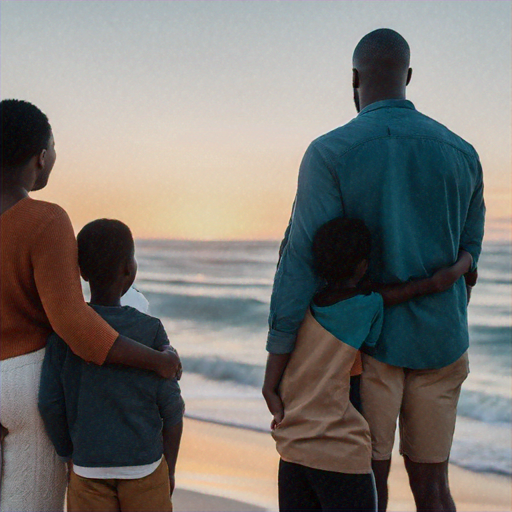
307,489
355,392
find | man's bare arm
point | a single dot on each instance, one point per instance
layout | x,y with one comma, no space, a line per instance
276,365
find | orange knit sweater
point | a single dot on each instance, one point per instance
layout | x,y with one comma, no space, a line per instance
40,289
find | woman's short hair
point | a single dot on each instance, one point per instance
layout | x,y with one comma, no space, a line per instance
338,247
103,246
26,131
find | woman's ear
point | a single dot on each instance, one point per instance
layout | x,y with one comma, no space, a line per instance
41,159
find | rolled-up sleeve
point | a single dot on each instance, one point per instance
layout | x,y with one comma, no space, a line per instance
318,200
473,231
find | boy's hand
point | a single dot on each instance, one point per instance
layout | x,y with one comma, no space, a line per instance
444,278
69,465
172,483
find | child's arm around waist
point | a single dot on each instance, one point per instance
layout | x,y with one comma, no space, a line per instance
440,281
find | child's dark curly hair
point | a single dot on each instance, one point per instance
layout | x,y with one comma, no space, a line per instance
338,248
103,245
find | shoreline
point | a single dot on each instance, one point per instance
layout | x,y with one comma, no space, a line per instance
227,468
258,430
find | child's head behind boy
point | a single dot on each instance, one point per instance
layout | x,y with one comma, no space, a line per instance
341,249
106,256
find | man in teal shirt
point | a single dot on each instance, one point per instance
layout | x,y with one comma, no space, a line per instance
418,187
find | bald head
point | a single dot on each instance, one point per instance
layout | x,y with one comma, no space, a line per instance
384,50
381,65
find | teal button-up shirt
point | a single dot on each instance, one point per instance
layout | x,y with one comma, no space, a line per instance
419,189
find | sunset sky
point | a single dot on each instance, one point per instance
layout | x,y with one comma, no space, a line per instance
188,119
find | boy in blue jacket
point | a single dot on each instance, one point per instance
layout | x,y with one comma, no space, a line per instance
116,424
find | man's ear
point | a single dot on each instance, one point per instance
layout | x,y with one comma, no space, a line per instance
355,78
409,74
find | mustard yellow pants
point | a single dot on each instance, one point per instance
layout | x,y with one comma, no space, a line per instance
148,494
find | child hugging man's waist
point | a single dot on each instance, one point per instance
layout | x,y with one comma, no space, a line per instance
116,424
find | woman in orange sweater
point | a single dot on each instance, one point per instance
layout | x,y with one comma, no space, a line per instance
40,292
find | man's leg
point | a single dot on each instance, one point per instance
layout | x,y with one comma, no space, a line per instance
381,398
427,424
429,485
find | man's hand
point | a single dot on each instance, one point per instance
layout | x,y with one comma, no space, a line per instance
275,406
170,366
276,364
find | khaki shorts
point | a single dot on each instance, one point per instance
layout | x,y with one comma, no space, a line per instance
148,494
424,401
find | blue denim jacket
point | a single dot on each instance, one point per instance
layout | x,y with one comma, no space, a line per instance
419,189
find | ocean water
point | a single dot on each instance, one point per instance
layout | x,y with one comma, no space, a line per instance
213,298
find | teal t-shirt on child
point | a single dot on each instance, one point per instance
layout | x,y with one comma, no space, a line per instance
356,321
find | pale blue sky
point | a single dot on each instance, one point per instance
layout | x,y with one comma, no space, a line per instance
189,118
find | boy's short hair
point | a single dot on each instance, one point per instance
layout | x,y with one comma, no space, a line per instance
338,248
25,132
103,246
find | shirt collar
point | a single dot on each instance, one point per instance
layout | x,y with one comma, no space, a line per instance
388,104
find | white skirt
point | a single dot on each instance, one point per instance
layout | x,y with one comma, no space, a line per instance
33,476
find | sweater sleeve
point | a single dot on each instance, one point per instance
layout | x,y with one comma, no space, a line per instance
57,278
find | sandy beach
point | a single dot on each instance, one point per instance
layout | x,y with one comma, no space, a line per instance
223,468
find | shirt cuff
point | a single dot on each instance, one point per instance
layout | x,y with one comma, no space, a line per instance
280,342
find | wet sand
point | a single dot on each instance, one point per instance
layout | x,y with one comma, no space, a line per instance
224,468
